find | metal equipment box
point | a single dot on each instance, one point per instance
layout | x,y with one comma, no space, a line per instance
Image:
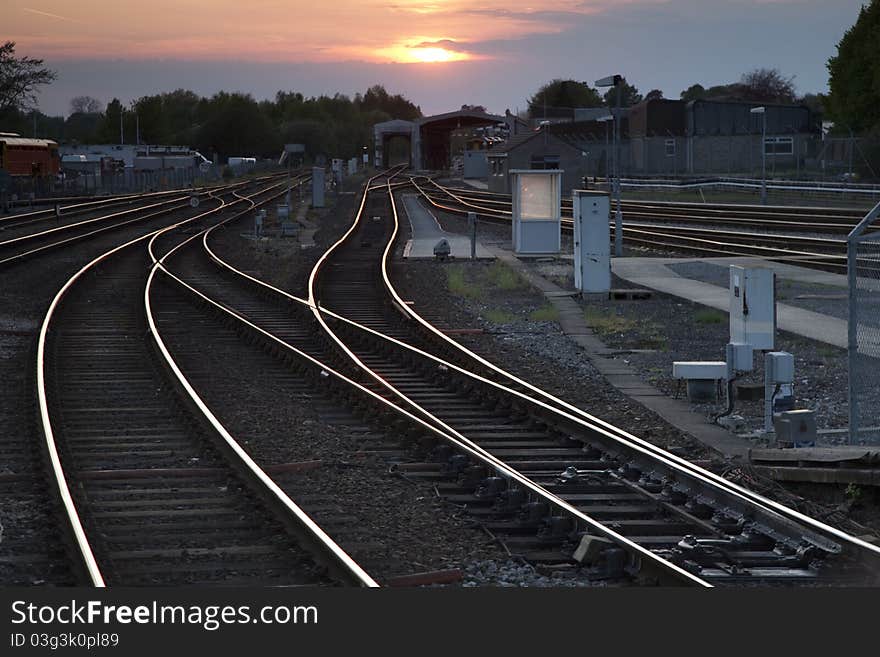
699,370
740,357
537,212
753,306
317,187
592,241
796,428
779,367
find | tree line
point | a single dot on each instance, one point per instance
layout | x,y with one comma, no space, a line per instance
237,124
853,101
226,124
558,97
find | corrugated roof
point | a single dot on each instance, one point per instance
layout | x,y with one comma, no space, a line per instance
21,141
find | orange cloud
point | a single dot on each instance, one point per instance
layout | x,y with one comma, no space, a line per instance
275,30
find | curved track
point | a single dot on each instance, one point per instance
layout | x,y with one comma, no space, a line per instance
791,234
684,515
155,492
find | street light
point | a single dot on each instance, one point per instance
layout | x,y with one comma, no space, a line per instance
615,81
763,112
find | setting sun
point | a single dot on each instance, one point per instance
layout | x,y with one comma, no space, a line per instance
434,54
422,50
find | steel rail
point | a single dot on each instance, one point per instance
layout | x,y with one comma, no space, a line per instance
596,423
640,235
782,524
86,554
772,214
439,427
87,559
341,561
421,418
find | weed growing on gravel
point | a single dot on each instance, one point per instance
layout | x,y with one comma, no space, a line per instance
503,277
709,316
499,316
827,351
606,323
546,313
458,284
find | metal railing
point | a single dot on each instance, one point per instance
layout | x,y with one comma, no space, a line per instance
863,270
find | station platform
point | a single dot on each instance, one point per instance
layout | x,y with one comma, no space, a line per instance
426,232
654,273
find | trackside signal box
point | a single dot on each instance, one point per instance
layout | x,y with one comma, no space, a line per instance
537,213
592,241
753,306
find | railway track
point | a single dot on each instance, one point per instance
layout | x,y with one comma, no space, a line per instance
537,473
155,491
32,550
643,497
540,475
816,219
790,234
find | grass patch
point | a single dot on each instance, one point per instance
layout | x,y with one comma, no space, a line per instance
827,351
499,316
503,277
709,316
459,285
606,323
546,313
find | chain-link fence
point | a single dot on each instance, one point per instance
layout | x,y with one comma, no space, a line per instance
863,266
72,182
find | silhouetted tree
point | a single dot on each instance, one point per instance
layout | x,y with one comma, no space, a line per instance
85,105
19,77
560,97
629,95
854,71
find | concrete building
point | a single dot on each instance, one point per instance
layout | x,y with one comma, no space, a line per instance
579,149
431,138
663,137
725,137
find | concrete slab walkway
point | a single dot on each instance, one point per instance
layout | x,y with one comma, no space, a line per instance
426,232
619,374
654,274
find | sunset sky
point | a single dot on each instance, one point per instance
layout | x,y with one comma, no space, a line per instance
441,53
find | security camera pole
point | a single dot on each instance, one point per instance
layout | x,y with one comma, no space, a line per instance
615,81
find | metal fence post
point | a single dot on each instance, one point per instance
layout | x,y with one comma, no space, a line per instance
863,379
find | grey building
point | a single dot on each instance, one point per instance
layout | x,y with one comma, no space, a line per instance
580,149
725,137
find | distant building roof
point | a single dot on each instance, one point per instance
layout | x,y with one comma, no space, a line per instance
470,114
21,141
514,141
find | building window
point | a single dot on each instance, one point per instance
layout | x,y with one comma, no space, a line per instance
670,147
779,145
541,162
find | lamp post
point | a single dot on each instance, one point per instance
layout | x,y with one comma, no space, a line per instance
763,112
616,81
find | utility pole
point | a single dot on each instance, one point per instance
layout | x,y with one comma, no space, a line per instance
763,112
616,81
121,133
